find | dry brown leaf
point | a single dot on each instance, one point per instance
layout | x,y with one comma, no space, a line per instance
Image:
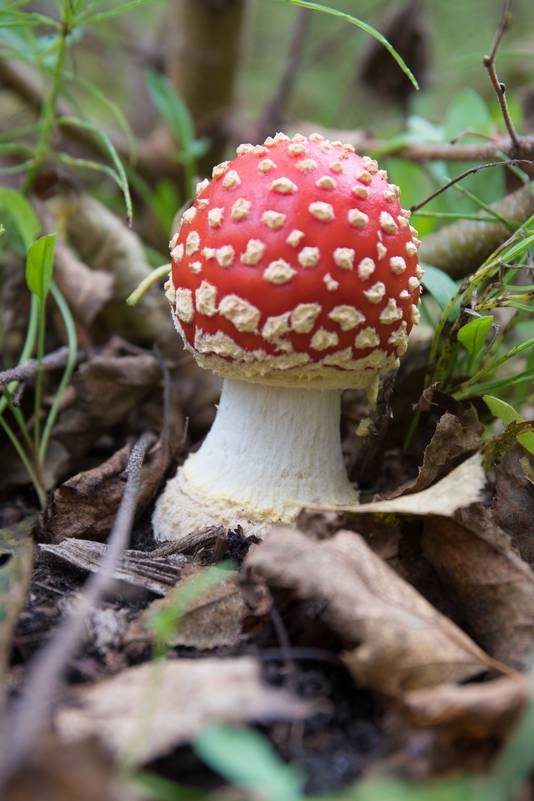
85,505
86,291
212,620
148,710
514,500
462,487
395,639
104,242
16,552
478,709
494,586
454,440
59,771
105,388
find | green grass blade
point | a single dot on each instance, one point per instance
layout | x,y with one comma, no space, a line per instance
109,148
364,26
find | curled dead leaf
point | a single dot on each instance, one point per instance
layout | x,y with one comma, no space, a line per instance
478,710
454,440
103,390
146,711
86,291
493,585
513,503
214,619
394,639
462,487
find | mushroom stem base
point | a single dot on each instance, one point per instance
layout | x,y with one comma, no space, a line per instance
270,452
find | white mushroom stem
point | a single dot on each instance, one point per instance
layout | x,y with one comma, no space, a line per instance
270,452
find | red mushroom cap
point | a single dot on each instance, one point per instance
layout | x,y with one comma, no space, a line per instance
296,265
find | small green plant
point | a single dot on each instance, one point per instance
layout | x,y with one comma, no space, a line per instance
31,442
45,41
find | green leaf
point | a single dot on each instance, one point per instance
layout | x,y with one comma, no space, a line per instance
246,758
39,266
156,788
440,285
22,214
172,108
505,412
364,27
383,789
473,335
467,112
100,16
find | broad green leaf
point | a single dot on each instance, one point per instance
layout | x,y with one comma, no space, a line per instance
364,27
40,265
22,214
414,184
467,112
440,285
473,335
246,758
505,412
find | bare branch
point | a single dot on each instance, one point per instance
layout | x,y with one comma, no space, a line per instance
30,713
499,87
496,148
463,175
53,361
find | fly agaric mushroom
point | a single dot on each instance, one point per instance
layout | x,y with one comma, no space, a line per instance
294,276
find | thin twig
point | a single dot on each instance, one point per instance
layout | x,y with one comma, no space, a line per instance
499,87
53,361
31,712
463,175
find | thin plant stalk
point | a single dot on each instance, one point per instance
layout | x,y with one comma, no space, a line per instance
72,342
39,375
28,347
46,124
39,489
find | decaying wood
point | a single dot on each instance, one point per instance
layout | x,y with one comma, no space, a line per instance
140,568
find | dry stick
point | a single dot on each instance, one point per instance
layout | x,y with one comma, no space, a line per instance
464,174
151,161
495,148
53,361
31,712
500,89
